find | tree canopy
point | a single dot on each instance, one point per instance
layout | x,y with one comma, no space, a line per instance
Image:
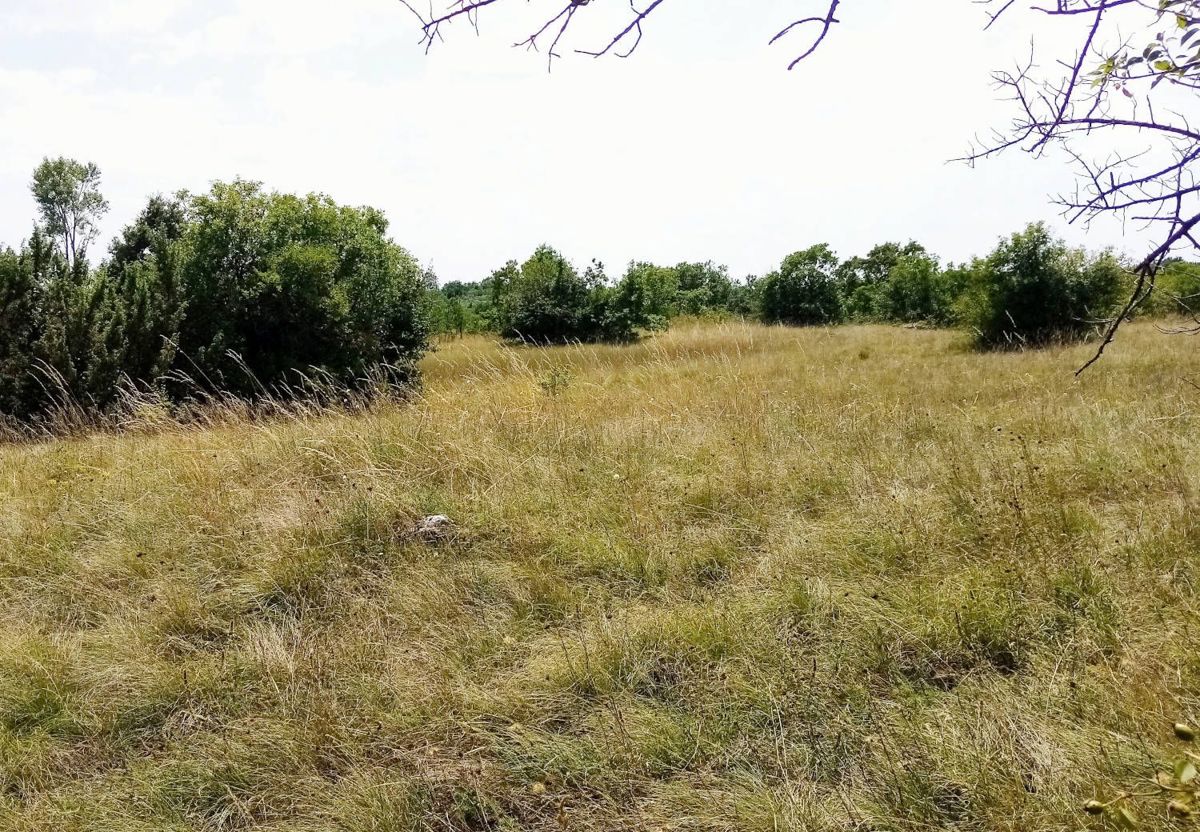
69,201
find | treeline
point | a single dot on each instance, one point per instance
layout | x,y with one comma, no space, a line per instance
237,291
259,295
1031,289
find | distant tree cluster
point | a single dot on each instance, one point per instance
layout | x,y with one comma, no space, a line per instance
238,290
1032,289
547,300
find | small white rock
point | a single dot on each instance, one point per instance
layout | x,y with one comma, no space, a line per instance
434,528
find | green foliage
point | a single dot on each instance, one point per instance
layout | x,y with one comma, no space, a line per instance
702,288
917,291
458,308
648,293
804,291
897,283
745,300
21,298
69,201
1177,290
862,278
144,271
278,283
237,289
555,381
546,300
78,354
659,286
1033,289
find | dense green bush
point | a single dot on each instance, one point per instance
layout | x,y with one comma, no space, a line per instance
804,290
547,296
650,294
545,300
78,354
236,291
1176,290
144,271
862,279
21,290
702,288
1033,290
277,283
746,298
918,291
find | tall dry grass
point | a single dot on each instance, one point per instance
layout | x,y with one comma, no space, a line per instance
730,578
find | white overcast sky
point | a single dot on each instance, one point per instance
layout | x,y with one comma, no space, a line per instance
701,146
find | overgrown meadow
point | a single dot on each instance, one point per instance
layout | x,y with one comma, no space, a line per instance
731,577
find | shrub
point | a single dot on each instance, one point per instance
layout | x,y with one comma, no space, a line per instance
1177,290
277,283
20,316
862,278
702,288
144,270
745,299
1033,289
648,294
77,357
804,291
916,291
547,301
237,288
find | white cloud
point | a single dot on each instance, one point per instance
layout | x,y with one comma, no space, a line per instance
701,146
98,17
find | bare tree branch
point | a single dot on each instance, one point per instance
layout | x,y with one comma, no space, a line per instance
631,34
1131,55
1109,94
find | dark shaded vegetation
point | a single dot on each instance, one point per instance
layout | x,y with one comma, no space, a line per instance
236,291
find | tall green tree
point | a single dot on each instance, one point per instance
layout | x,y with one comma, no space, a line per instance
861,278
652,291
78,353
546,301
144,271
702,288
917,291
69,201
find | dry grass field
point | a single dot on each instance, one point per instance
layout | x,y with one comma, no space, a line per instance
730,578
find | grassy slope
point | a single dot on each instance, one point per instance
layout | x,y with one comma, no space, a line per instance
732,578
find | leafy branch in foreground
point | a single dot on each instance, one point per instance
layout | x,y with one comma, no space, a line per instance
1179,787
